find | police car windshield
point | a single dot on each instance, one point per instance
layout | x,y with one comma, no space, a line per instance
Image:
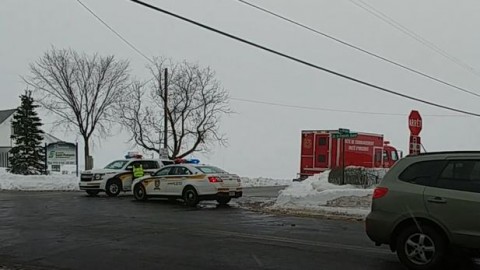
116,165
209,169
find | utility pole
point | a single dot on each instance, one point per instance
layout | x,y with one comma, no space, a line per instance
343,161
165,112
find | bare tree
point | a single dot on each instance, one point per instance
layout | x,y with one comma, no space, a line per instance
196,103
83,91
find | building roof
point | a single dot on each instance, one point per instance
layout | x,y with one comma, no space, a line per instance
4,114
49,138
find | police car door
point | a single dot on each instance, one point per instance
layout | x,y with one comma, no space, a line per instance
158,183
170,180
176,184
127,179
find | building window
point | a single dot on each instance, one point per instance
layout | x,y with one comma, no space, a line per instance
321,158
322,141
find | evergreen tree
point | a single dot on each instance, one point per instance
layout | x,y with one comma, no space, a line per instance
27,156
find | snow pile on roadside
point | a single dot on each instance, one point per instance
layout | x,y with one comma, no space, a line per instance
10,181
264,182
316,194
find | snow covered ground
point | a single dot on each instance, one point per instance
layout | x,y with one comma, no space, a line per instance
37,182
262,182
69,182
317,195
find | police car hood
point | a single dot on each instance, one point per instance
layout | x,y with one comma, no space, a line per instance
104,171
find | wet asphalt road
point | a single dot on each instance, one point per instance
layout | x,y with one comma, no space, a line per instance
68,230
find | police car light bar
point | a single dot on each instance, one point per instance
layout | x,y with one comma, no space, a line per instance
188,161
130,155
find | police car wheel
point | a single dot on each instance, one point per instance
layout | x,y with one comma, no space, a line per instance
139,193
190,196
113,188
92,192
223,200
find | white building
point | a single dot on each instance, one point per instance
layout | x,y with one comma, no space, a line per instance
6,130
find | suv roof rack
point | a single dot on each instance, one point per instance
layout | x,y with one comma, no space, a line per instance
447,152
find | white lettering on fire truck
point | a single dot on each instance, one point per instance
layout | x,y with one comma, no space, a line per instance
359,142
358,148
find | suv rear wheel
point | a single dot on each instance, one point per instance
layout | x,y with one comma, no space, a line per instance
421,247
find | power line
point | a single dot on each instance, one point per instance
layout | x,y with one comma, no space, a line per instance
357,48
384,17
383,89
333,110
115,32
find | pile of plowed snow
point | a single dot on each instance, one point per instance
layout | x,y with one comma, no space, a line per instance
317,194
10,181
264,182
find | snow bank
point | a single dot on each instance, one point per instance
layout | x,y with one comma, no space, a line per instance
263,182
317,194
10,181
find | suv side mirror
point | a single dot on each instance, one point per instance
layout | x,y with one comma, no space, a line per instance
129,168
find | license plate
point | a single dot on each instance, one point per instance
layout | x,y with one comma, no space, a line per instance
231,193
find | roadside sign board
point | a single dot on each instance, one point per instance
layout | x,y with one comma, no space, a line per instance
344,135
343,130
415,143
163,153
61,153
55,168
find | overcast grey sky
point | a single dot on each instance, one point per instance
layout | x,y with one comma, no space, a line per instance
265,140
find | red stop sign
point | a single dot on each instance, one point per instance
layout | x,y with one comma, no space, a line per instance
415,123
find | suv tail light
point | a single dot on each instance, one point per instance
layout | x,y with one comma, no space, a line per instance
214,179
379,192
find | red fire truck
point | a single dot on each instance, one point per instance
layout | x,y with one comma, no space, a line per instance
321,151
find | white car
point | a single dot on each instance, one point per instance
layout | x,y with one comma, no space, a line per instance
191,182
117,176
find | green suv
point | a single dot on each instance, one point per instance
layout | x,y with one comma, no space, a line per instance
425,204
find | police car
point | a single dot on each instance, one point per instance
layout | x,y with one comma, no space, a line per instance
118,175
191,182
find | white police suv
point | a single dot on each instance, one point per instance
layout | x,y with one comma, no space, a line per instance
191,182
118,175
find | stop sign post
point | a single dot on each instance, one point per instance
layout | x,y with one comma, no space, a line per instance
415,126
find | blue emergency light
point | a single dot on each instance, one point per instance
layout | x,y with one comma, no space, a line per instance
193,161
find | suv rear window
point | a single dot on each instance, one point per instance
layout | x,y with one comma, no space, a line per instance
422,173
461,175
167,162
149,165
